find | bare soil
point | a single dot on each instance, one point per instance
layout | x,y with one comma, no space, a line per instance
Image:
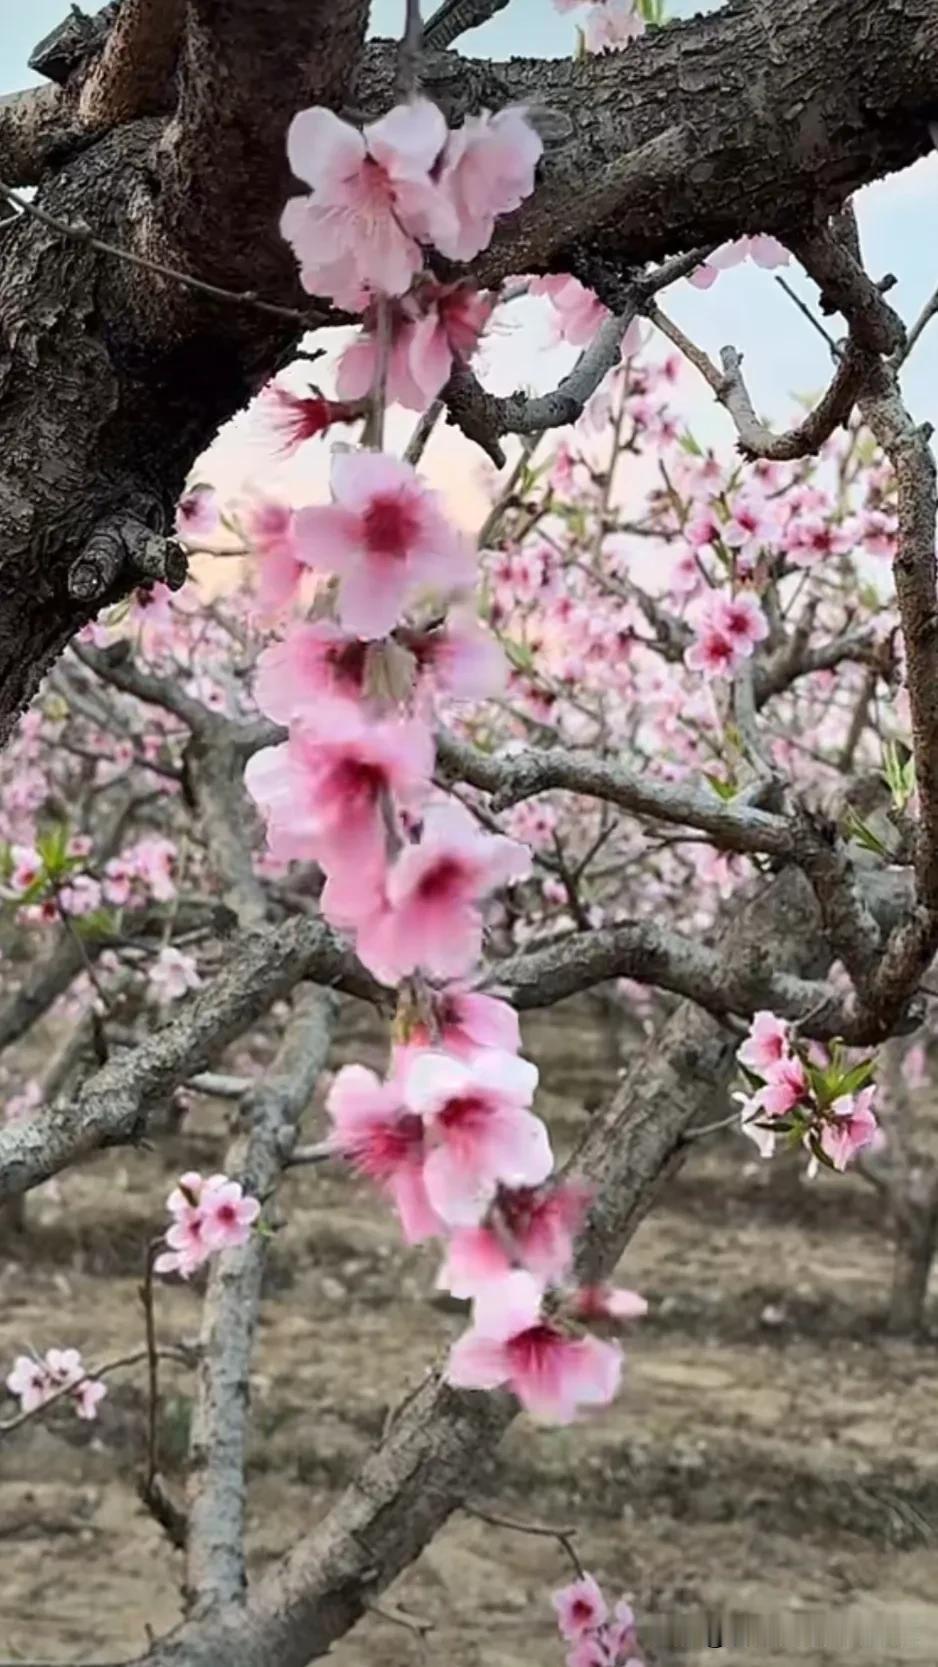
773,1456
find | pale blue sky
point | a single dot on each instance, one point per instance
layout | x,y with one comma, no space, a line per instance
783,356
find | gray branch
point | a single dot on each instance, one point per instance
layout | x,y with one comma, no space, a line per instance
732,825
269,1117
114,1104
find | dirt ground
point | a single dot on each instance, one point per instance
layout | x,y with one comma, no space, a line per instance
772,1456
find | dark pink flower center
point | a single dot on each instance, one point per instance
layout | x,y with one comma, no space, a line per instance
226,1214
531,1349
441,880
346,661
386,1147
358,780
391,526
464,1113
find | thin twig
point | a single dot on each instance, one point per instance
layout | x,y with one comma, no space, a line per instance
417,444
563,1536
80,233
805,310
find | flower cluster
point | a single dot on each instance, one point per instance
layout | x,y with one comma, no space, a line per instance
597,1638
35,1380
824,1104
449,1136
208,1214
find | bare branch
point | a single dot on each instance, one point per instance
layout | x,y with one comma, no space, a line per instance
755,439
733,826
455,17
652,954
270,1115
114,1103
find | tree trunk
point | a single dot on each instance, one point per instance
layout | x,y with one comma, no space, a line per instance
915,1241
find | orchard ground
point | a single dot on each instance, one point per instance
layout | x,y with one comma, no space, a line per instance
771,1451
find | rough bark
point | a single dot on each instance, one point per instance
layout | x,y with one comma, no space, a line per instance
759,116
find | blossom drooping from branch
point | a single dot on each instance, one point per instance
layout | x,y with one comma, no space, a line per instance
431,327
385,1140
385,537
512,1343
430,917
480,1130
323,791
487,170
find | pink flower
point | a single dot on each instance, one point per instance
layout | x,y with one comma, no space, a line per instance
488,170
470,1022
431,917
475,1258
270,533
787,1085
740,619
324,791
856,1127
383,1140
611,24
480,1131
510,1342
34,1382
313,663
431,327
608,1302
385,536
173,974
763,250
580,1608
87,1396
713,653
197,514
30,1382
371,200
461,659
533,1228
749,527
542,1225
227,1216
578,312
811,539
766,1045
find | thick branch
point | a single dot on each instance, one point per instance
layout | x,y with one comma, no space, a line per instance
654,955
113,1105
245,68
133,74
521,776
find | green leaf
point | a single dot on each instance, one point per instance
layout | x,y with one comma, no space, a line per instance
518,653
687,443
99,923
852,1081
723,789
52,845
863,834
